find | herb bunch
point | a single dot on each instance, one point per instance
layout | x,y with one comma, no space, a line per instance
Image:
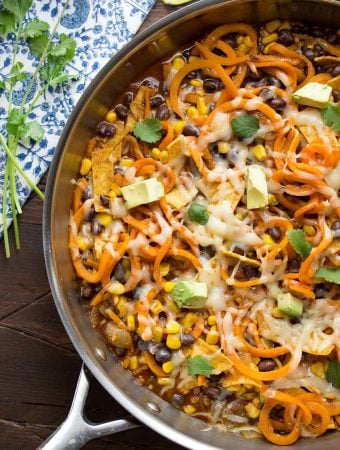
53,51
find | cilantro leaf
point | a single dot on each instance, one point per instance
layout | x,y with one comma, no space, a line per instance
32,130
35,28
198,213
330,274
17,7
300,245
333,373
245,125
66,48
199,365
16,74
148,130
2,85
7,22
38,44
15,122
331,116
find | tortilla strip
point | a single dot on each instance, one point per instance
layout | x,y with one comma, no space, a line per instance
137,108
237,379
333,252
219,361
252,262
102,171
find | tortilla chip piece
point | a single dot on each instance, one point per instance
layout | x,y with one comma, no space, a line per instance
252,262
333,252
181,196
309,133
102,171
98,247
137,105
335,83
176,147
219,361
238,379
115,144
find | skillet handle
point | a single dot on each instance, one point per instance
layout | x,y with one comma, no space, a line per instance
77,430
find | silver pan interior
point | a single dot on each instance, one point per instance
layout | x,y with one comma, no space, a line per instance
176,30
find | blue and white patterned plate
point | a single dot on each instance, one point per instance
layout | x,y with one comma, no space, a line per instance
100,28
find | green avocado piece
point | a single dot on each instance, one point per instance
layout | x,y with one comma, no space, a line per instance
190,294
290,305
313,94
142,192
257,190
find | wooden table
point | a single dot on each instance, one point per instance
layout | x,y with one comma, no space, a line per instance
38,364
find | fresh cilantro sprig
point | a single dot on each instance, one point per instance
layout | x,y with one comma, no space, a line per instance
331,116
199,365
54,52
148,130
333,373
330,274
198,213
245,125
297,240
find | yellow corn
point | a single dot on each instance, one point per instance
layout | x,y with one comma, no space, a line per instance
272,199
201,106
256,401
285,25
141,359
309,230
247,41
212,320
179,126
200,92
277,313
164,269
260,152
127,162
242,48
318,369
111,117
168,286
116,288
192,112
213,328
270,38
111,194
268,240
273,25
85,167
104,219
82,243
173,327
130,320
239,39
189,409
155,153
121,306
239,216
196,82
156,307
193,59
173,341
164,157
178,63
252,411
212,337
223,147
115,188
168,366
189,320
133,363
163,381
157,333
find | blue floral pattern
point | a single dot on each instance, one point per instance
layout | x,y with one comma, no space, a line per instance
100,28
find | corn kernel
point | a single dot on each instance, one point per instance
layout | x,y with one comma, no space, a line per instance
201,106
168,286
141,359
273,25
309,230
272,199
213,328
268,240
260,152
223,147
189,320
285,25
104,219
270,38
318,369
116,189
173,327
179,126
164,157
189,409
200,92
178,63
277,313
164,269
116,288
155,153
252,411
212,320
133,365
168,366
239,216
127,162
257,402
111,194
193,58
212,337
156,307
82,243
247,41
173,341
192,112
85,167
163,381
130,321
242,48
111,117
158,334
267,48
239,39
196,82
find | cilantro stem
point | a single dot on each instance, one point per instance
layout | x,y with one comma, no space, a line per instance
4,213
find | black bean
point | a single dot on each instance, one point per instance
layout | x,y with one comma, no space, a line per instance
266,94
186,53
211,85
163,355
294,265
120,352
212,392
275,233
209,251
277,103
332,38
336,228
309,53
250,271
190,130
121,111
177,400
162,112
274,82
265,365
119,273
105,201
87,291
218,52
215,377
187,339
127,99
318,49
316,32
335,71
106,129
193,74
230,40
143,345
297,28
286,37
156,101
336,96
320,291
96,227
89,215
86,194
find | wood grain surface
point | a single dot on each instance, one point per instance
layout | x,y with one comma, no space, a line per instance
38,365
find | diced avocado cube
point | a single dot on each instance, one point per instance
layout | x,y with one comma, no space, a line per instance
313,94
290,305
190,294
142,192
257,189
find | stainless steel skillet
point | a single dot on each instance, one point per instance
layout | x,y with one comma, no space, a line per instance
174,31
